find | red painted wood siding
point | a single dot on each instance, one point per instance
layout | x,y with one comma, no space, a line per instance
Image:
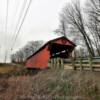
60,41
40,59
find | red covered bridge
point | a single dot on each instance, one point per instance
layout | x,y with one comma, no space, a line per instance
59,47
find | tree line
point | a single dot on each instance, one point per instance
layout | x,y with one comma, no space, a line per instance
22,54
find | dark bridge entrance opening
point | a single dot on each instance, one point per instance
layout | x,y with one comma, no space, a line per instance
61,51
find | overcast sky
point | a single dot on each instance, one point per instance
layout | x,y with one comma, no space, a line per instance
41,20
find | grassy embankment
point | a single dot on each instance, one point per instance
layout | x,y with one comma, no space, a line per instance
55,84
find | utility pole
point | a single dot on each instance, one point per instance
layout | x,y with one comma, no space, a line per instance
5,56
7,4
0,50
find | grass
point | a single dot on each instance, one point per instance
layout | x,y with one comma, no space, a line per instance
8,68
52,85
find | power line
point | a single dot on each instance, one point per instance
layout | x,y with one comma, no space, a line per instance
17,33
19,19
20,16
6,23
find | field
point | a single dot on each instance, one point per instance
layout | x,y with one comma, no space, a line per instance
50,84
7,68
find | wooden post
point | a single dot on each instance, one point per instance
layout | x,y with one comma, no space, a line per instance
73,64
81,66
58,64
90,63
81,55
62,64
73,57
51,63
54,63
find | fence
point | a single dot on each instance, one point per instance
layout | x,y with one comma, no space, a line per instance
90,63
56,63
80,63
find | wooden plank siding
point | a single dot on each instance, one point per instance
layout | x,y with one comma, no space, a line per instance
41,57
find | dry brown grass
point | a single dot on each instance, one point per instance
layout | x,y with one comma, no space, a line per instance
52,85
7,68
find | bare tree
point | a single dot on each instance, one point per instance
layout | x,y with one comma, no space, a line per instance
93,13
26,51
72,15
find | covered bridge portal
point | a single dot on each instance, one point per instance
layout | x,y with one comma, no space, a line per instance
60,50
60,47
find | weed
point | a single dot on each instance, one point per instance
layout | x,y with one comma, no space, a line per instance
67,88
